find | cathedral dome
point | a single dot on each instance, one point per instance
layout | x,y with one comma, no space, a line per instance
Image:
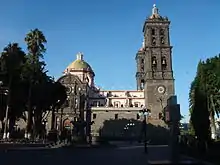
79,64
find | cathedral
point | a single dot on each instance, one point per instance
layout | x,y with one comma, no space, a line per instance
154,77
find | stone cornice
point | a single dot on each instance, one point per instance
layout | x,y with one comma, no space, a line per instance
115,109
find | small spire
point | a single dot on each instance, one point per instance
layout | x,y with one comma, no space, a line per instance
155,10
143,43
79,56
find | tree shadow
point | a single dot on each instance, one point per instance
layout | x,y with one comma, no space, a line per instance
132,130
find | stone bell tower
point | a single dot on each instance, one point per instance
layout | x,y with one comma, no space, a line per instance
154,64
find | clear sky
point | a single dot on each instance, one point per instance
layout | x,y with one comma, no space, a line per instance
109,33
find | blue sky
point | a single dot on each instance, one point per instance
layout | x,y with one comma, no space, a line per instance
109,33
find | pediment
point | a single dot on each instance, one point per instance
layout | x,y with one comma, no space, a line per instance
69,80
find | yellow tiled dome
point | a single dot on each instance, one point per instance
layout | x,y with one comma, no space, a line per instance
79,63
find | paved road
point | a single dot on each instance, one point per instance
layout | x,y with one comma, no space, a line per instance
129,155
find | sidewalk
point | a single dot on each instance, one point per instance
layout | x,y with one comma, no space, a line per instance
161,155
7,146
200,161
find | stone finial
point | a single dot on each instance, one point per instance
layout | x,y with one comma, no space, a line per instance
155,10
155,13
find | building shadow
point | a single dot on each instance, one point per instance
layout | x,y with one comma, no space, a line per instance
132,130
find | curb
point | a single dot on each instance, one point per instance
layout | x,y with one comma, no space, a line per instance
27,149
164,162
52,146
90,146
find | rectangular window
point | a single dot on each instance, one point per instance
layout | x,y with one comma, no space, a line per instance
96,103
94,116
116,116
136,104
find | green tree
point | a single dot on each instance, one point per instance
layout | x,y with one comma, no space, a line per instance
35,40
212,67
13,58
30,88
200,112
57,99
204,99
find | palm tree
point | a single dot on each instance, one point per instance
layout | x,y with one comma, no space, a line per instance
35,40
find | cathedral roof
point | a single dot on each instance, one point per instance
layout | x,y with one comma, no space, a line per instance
79,64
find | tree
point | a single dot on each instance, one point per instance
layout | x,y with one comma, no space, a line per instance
204,97
30,88
13,58
213,89
35,40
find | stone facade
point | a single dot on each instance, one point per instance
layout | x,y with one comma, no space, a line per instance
87,102
155,83
154,64
116,105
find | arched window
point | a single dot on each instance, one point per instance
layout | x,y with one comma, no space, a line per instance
153,32
162,40
164,62
142,84
161,32
116,104
154,62
153,41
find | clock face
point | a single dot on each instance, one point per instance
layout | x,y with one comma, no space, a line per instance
68,90
161,89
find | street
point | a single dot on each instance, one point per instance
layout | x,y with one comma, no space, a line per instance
129,155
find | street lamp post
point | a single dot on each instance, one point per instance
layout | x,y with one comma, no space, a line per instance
44,122
61,120
146,113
